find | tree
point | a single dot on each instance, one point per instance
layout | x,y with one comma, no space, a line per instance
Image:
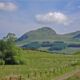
10,37
58,45
8,52
32,45
46,44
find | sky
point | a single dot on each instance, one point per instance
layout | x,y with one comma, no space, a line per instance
20,16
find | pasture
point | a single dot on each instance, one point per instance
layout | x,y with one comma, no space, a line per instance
40,66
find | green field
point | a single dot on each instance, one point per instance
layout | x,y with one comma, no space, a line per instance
41,65
75,77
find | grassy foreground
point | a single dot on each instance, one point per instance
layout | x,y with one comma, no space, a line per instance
75,77
41,65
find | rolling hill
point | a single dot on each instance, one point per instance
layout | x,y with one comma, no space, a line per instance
47,39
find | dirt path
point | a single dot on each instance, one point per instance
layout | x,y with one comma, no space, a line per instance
67,75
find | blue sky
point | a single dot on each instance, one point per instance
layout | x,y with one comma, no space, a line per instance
20,16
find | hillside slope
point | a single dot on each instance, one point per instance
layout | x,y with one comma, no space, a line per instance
45,38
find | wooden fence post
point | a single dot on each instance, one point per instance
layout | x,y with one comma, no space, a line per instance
10,78
28,75
20,77
40,74
35,74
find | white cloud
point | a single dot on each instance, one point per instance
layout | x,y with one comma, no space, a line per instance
8,6
52,17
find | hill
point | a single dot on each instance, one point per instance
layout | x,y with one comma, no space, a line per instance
47,39
39,34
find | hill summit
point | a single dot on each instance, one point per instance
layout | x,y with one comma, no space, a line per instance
41,33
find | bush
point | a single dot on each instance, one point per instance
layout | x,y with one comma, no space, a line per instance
58,46
32,45
2,62
8,51
74,45
46,44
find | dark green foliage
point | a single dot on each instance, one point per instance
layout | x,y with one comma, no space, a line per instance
32,45
3,45
9,57
77,53
8,52
59,42
74,45
46,44
58,46
1,58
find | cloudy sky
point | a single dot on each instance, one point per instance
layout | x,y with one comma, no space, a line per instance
20,16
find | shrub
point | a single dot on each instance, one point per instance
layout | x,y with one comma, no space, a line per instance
32,45
58,46
46,44
8,51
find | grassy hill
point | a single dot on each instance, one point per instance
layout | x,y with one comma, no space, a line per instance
41,65
35,39
47,34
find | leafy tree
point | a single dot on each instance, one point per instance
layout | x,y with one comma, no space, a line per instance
11,37
58,46
8,51
74,45
32,45
46,44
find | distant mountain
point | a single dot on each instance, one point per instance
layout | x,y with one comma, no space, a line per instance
46,39
41,33
46,34
77,35
23,37
73,34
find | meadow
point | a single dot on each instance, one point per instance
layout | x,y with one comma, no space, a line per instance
75,77
41,66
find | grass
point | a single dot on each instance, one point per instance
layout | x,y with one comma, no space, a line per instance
75,77
41,65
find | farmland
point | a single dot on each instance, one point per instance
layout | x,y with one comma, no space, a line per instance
41,65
